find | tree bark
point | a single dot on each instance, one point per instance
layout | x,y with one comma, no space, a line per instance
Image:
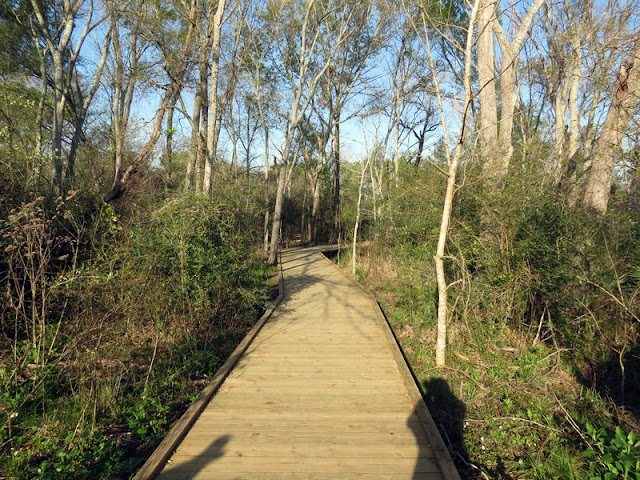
277,210
495,136
169,144
192,179
488,132
627,90
216,27
337,223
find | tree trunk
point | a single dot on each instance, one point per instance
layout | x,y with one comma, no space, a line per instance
277,211
358,210
204,128
192,179
216,27
441,340
509,96
627,89
488,132
169,144
497,155
59,104
266,185
336,178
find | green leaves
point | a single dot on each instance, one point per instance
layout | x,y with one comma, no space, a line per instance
615,456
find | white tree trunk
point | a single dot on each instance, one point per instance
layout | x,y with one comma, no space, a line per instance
488,132
215,29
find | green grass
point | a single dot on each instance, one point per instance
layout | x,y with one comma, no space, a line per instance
511,409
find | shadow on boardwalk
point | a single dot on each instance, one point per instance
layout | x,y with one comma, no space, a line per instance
199,463
448,412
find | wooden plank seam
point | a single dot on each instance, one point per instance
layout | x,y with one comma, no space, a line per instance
156,462
441,451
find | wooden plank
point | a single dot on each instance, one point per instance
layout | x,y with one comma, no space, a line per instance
282,372
292,464
312,403
441,452
332,386
177,475
304,451
318,438
162,453
312,426
336,414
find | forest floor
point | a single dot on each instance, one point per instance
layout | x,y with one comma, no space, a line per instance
509,403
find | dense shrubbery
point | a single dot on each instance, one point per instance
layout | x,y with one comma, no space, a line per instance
112,324
545,307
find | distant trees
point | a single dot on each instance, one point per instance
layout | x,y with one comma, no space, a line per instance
228,82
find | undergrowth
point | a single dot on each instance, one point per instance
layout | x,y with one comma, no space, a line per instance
112,324
541,377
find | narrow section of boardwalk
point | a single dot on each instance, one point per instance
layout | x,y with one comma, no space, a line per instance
317,395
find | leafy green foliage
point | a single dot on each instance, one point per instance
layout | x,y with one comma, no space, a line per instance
615,456
122,361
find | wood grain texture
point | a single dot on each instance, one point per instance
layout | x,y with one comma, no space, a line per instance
319,393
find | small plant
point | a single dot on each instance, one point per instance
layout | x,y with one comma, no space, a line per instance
148,417
616,456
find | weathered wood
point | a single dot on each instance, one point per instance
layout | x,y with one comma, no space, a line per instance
298,476
320,393
286,464
440,450
162,453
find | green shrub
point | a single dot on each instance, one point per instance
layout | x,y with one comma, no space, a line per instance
614,456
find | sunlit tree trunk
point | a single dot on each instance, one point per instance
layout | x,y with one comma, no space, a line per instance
337,223
193,179
488,131
169,144
608,151
212,144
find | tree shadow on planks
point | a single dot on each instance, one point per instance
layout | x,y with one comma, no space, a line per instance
448,412
198,463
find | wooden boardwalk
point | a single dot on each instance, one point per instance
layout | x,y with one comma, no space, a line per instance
321,393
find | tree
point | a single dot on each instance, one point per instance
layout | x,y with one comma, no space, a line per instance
295,48
453,159
175,67
127,25
496,130
214,33
54,27
623,104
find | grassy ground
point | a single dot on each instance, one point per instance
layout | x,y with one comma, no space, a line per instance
128,336
511,403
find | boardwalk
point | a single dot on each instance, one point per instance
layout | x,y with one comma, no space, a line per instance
317,395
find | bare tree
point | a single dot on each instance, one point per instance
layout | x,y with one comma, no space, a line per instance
57,30
215,28
176,69
495,135
453,160
124,77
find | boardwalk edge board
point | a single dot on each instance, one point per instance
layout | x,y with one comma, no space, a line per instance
158,459
443,458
